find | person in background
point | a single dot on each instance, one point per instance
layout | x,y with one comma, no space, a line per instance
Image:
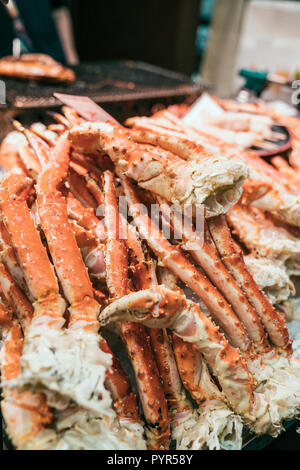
41,27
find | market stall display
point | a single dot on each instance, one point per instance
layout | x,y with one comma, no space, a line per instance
192,311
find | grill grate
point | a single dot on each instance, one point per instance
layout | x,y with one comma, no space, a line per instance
104,82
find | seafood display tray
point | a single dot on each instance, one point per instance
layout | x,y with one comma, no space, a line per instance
126,87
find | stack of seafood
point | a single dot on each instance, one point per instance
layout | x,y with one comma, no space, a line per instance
200,312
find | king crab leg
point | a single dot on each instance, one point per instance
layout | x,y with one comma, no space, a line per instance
205,254
181,414
218,427
171,257
172,134
134,336
190,431
273,322
48,312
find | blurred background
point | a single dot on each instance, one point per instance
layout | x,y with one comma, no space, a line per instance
209,40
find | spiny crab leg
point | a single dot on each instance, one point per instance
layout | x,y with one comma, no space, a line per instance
92,252
273,322
39,146
15,297
134,336
171,133
124,400
30,252
49,307
85,217
53,215
83,308
181,413
217,427
26,414
8,257
172,257
204,253
10,153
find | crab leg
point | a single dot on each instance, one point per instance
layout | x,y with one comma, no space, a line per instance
172,134
205,254
134,336
266,239
30,252
124,400
15,297
49,307
9,153
80,192
172,258
83,310
25,414
9,258
181,413
72,116
217,427
273,322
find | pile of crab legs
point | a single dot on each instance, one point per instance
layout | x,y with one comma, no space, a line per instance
201,374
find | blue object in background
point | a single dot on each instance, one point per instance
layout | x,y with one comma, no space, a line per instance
203,30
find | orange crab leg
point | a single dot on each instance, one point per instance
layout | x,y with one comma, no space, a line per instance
193,371
135,337
61,240
15,297
40,147
79,190
77,289
85,217
92,251
205,254
72,116
9,258
9,153
144,277
158,170
124,400
172,257
31,253
273,322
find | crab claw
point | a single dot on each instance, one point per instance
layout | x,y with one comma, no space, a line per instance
157,307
